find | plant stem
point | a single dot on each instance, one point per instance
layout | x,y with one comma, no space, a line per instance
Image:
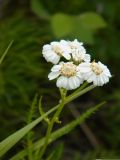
64,101
51,124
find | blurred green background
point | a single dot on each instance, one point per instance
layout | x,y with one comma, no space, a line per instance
23,73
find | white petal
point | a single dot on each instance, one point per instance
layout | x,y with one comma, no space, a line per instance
84,67
55,43
82,50
107,73
67,55
62,82
87,58
56,59
95,82
53,75
105,78
56,68
71,84
91,78
99,82
63,42
74,82
46,47
102,80
65,83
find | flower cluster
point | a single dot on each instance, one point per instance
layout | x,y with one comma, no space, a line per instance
76,68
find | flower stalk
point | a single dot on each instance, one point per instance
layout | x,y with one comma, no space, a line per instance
54,119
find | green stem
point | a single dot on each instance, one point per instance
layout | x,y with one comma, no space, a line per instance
51,124
64,101
67,100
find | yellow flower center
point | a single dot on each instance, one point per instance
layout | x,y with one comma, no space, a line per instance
57,49
96,68
68,69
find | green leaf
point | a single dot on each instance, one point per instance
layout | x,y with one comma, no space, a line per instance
30,134
82,26
60,132
82,33
39,10
32,109
10,141
6,51
41,110
92,20
62,24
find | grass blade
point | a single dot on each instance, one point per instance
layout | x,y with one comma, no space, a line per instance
60,132
6,51
10,141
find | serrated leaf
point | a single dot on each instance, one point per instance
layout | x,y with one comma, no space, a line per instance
60,132
92,20
39,10
62,24
10,141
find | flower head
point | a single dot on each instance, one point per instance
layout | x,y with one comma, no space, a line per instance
94,72
68,75
75,44
78,52
78,68
55,50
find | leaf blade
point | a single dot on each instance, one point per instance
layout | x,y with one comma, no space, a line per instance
60,132
10,141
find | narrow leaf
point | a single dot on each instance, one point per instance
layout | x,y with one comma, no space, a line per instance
60,132
6,51
41,110
10,141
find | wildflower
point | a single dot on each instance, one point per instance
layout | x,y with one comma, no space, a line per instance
55,50
68,75
78,52
94,72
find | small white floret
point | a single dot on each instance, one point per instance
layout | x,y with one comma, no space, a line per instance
94,72
67,74
79,52
55,50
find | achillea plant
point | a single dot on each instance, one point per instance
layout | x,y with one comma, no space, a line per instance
73,69
71,74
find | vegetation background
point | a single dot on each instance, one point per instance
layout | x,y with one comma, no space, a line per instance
33,23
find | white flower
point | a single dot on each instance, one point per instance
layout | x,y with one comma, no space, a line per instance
75,44
78,52
68,75
94,72
53,51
